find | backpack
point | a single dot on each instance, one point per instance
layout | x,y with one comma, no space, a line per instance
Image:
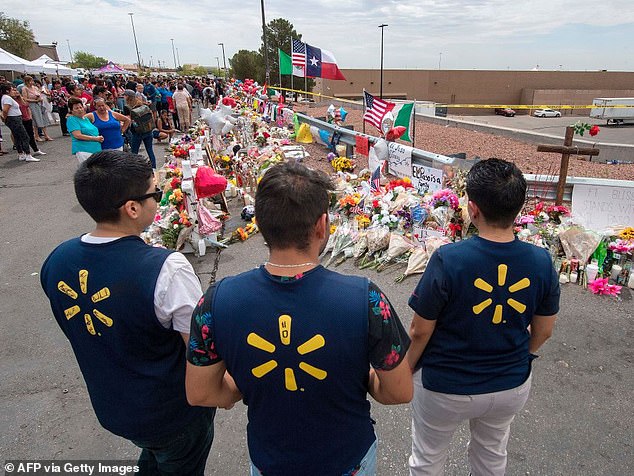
142,120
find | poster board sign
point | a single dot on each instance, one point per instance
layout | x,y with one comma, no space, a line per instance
426,179
421,233
400,159
599,206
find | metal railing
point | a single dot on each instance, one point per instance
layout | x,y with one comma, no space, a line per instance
539,186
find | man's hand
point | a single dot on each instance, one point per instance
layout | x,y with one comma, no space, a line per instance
420,331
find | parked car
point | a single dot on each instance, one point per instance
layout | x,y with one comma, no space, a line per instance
546,113
505,111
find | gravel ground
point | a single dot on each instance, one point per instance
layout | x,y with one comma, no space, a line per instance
449,140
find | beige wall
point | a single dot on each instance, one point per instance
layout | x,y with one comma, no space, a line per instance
483,87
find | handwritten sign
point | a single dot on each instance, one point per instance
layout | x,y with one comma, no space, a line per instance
426,179
400,159
598,207
420,233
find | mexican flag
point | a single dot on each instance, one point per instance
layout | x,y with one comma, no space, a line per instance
404,114
285,63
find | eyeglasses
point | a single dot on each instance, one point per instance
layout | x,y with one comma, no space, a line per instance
156,195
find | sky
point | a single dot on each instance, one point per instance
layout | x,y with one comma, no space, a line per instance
421,34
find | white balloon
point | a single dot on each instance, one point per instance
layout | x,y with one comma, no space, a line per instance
314,131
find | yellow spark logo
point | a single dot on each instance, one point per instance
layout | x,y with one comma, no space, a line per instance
103,293
486,287
311,345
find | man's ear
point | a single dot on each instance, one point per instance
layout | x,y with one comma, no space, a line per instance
322,226
474,210
131,210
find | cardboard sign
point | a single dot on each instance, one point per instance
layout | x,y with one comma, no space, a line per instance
400,159
426,179
598,207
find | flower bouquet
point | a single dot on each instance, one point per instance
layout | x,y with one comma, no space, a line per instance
343,240
241,234
378,240
398,248
416,263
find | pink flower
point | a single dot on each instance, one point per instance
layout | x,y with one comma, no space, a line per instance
600,286
385,310
525,219
392,358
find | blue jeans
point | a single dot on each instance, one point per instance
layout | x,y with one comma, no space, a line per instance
182,454
135,145
367,466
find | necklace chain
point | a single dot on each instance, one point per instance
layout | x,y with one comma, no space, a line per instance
289,265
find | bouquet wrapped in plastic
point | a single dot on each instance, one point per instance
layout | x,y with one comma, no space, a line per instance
343,240
399,247
416,263
378,240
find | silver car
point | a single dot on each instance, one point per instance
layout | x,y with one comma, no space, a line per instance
546,113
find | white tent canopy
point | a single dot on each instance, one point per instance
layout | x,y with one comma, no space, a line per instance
11,62
51,66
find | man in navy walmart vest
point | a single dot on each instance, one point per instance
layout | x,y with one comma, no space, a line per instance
125,307
302,345
482,308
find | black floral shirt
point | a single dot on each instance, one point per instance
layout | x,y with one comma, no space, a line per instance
388,340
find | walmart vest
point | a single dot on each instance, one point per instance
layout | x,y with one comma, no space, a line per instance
102,296
298,351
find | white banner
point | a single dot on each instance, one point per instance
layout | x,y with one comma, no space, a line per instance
426,179
598,207
420,234
400,159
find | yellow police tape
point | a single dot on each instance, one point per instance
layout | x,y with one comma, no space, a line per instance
471,106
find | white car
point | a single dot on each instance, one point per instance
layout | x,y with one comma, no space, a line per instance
546,113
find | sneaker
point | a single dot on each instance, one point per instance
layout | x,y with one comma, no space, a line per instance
38,152
21,157
30,158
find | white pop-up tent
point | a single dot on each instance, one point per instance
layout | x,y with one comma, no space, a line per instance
50,66
11,62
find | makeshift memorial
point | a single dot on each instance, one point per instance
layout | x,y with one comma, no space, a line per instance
398,249
344,238
416,263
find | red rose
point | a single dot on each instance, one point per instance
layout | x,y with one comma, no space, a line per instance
375,204
594,130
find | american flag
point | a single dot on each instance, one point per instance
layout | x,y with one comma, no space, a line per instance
375,180
375,109
299,53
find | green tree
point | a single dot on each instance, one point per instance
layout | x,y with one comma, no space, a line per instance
247,64
16,36
81,59
279,34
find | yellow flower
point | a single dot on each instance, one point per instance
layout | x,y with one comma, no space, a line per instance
333,228
627,234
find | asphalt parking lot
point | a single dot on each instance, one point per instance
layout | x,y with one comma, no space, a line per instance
578,421
556,126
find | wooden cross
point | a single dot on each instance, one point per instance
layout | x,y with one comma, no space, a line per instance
566,150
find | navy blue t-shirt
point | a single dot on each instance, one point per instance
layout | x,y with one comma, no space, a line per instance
483,296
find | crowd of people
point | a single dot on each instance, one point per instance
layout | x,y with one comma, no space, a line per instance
102,113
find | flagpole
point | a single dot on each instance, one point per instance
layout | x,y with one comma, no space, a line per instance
414,125
292,68
280,70
363,120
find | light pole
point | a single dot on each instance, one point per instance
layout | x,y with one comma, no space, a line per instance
267,70
178,57
439,59
69,51
382,27
136,45
173,53
224,59
218,62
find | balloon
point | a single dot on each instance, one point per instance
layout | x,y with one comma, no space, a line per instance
227,101
314,131
324,136
331,110
343,113
208,183
394,133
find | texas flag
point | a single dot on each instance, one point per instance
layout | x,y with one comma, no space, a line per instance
321,64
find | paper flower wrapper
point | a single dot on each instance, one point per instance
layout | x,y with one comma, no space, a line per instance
343,239
416,264
399,245
378,240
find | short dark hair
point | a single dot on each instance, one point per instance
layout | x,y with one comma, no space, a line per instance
5,88
110,177
289,201
98,90
498,188
72,101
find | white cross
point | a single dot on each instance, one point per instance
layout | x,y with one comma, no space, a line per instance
313,61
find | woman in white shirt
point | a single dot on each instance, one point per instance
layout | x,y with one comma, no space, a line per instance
12,117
